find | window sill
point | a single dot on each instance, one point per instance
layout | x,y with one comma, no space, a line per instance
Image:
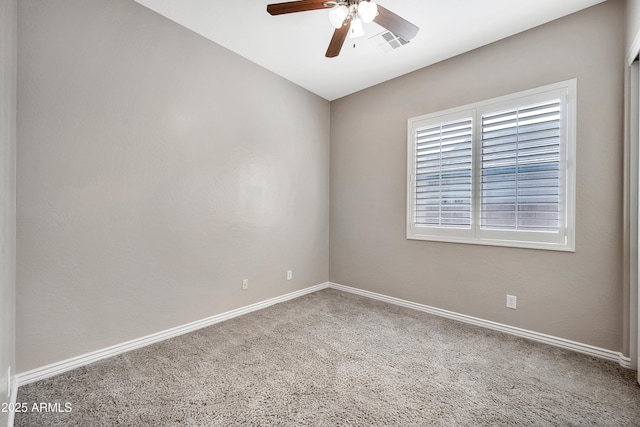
567,247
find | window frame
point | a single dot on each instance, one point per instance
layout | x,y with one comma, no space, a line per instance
566,91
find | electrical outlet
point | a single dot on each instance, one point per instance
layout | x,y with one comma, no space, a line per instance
289,274
245,284
511,301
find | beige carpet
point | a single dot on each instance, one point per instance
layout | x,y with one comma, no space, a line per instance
337,359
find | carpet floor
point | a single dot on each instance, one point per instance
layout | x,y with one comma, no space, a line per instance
336,359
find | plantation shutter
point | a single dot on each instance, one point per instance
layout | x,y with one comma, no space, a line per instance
443,175
521,174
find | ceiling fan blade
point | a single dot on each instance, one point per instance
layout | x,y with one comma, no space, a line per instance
295,6
339,36
396,24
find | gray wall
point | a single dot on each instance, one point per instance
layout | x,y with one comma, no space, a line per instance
7,193
156,170
577,296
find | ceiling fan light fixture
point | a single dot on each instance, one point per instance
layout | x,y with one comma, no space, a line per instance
367,10
356,29
338,14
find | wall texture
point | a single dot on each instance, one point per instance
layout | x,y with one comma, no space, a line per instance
577,296
7,194
156,170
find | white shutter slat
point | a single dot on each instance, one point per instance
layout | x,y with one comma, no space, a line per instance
443,175
520,161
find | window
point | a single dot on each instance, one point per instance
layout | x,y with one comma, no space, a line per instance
499,172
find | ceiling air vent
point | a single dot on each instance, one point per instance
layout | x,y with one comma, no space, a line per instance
388,41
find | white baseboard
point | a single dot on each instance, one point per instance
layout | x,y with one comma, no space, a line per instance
13,396
535,336
85,359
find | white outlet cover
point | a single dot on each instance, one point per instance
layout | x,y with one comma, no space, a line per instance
511,301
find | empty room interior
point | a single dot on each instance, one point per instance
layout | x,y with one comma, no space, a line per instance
208,220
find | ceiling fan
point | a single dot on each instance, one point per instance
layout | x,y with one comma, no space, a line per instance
347,17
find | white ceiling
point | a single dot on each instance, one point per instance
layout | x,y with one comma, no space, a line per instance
293,45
